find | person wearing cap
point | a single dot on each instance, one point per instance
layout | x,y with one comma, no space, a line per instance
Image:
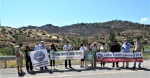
126,48
115,47
67,48
43,46
19,59
138,47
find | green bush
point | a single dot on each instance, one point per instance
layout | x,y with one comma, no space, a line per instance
9,50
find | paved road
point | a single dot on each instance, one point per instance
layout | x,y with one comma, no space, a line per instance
77,72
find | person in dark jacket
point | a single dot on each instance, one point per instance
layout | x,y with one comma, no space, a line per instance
115,47
28,59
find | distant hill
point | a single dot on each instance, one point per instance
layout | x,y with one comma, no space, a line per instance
89,29
12,36
76,33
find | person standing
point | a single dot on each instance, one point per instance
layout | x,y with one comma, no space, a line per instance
138,47
86,47
115,47
28,59
67,48
37,47
52,61
94,49
19,59
126,49
103,48
43,46
83,59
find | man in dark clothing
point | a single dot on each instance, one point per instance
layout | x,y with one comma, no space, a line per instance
115,47
28,59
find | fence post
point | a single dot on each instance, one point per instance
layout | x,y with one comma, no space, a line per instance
5,61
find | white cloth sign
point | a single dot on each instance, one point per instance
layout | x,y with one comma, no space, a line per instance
39,58
66,55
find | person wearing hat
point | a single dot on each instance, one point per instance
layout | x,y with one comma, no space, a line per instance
19,59
126,48
115,47
138,47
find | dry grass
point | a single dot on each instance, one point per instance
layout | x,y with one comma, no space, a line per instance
12,63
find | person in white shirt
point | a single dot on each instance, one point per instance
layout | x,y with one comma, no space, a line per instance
67,48
83,59
37,47
103,48
43,46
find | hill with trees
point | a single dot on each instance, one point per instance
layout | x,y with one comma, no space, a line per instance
76,33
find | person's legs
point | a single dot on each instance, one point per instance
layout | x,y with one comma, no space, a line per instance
65,63
113,64
103,64
81,63
46,67
134,66
18,69
27,66
70,63
31,67
139,64
123,64
127,64
117,64
53,63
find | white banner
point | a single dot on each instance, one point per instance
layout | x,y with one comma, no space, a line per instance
66,55
119,57
39,58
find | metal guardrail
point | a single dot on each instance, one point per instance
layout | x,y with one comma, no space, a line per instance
5,58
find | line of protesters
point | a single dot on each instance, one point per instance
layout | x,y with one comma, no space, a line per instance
115,47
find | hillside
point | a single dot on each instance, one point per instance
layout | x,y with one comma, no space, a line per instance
90,29
75,33
12,36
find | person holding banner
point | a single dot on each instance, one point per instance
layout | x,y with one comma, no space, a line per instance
138,48
103,48
67,48
28,59
19,59
94,49
126,48
43,46
37,47
115,47
52,61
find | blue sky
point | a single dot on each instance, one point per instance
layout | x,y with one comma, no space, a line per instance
18,13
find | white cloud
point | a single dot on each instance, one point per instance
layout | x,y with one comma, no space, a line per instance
144,19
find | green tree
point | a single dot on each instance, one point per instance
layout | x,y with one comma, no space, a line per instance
111,35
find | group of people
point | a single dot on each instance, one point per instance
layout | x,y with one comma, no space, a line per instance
115,47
